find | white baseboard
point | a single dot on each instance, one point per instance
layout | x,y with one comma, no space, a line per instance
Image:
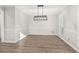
13,41
69,43
10,41
41,34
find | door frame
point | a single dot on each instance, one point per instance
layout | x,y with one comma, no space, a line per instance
2,24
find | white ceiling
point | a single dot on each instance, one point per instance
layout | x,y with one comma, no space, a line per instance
48,9
32,9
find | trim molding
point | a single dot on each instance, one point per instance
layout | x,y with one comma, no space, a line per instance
10,41
69,43
41,34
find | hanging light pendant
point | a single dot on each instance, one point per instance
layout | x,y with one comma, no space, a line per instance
40,16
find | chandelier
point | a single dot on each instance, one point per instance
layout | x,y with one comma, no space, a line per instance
40,16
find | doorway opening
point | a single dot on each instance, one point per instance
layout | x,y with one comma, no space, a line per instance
1,24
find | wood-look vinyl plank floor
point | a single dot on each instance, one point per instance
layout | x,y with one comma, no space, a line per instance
37,44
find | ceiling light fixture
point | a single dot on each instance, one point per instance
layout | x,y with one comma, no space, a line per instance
40,16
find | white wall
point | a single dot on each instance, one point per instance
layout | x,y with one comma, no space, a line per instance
9,24
43,27
69,25
21,23
15,24
77,22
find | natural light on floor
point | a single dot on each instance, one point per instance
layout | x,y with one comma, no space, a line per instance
22,35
